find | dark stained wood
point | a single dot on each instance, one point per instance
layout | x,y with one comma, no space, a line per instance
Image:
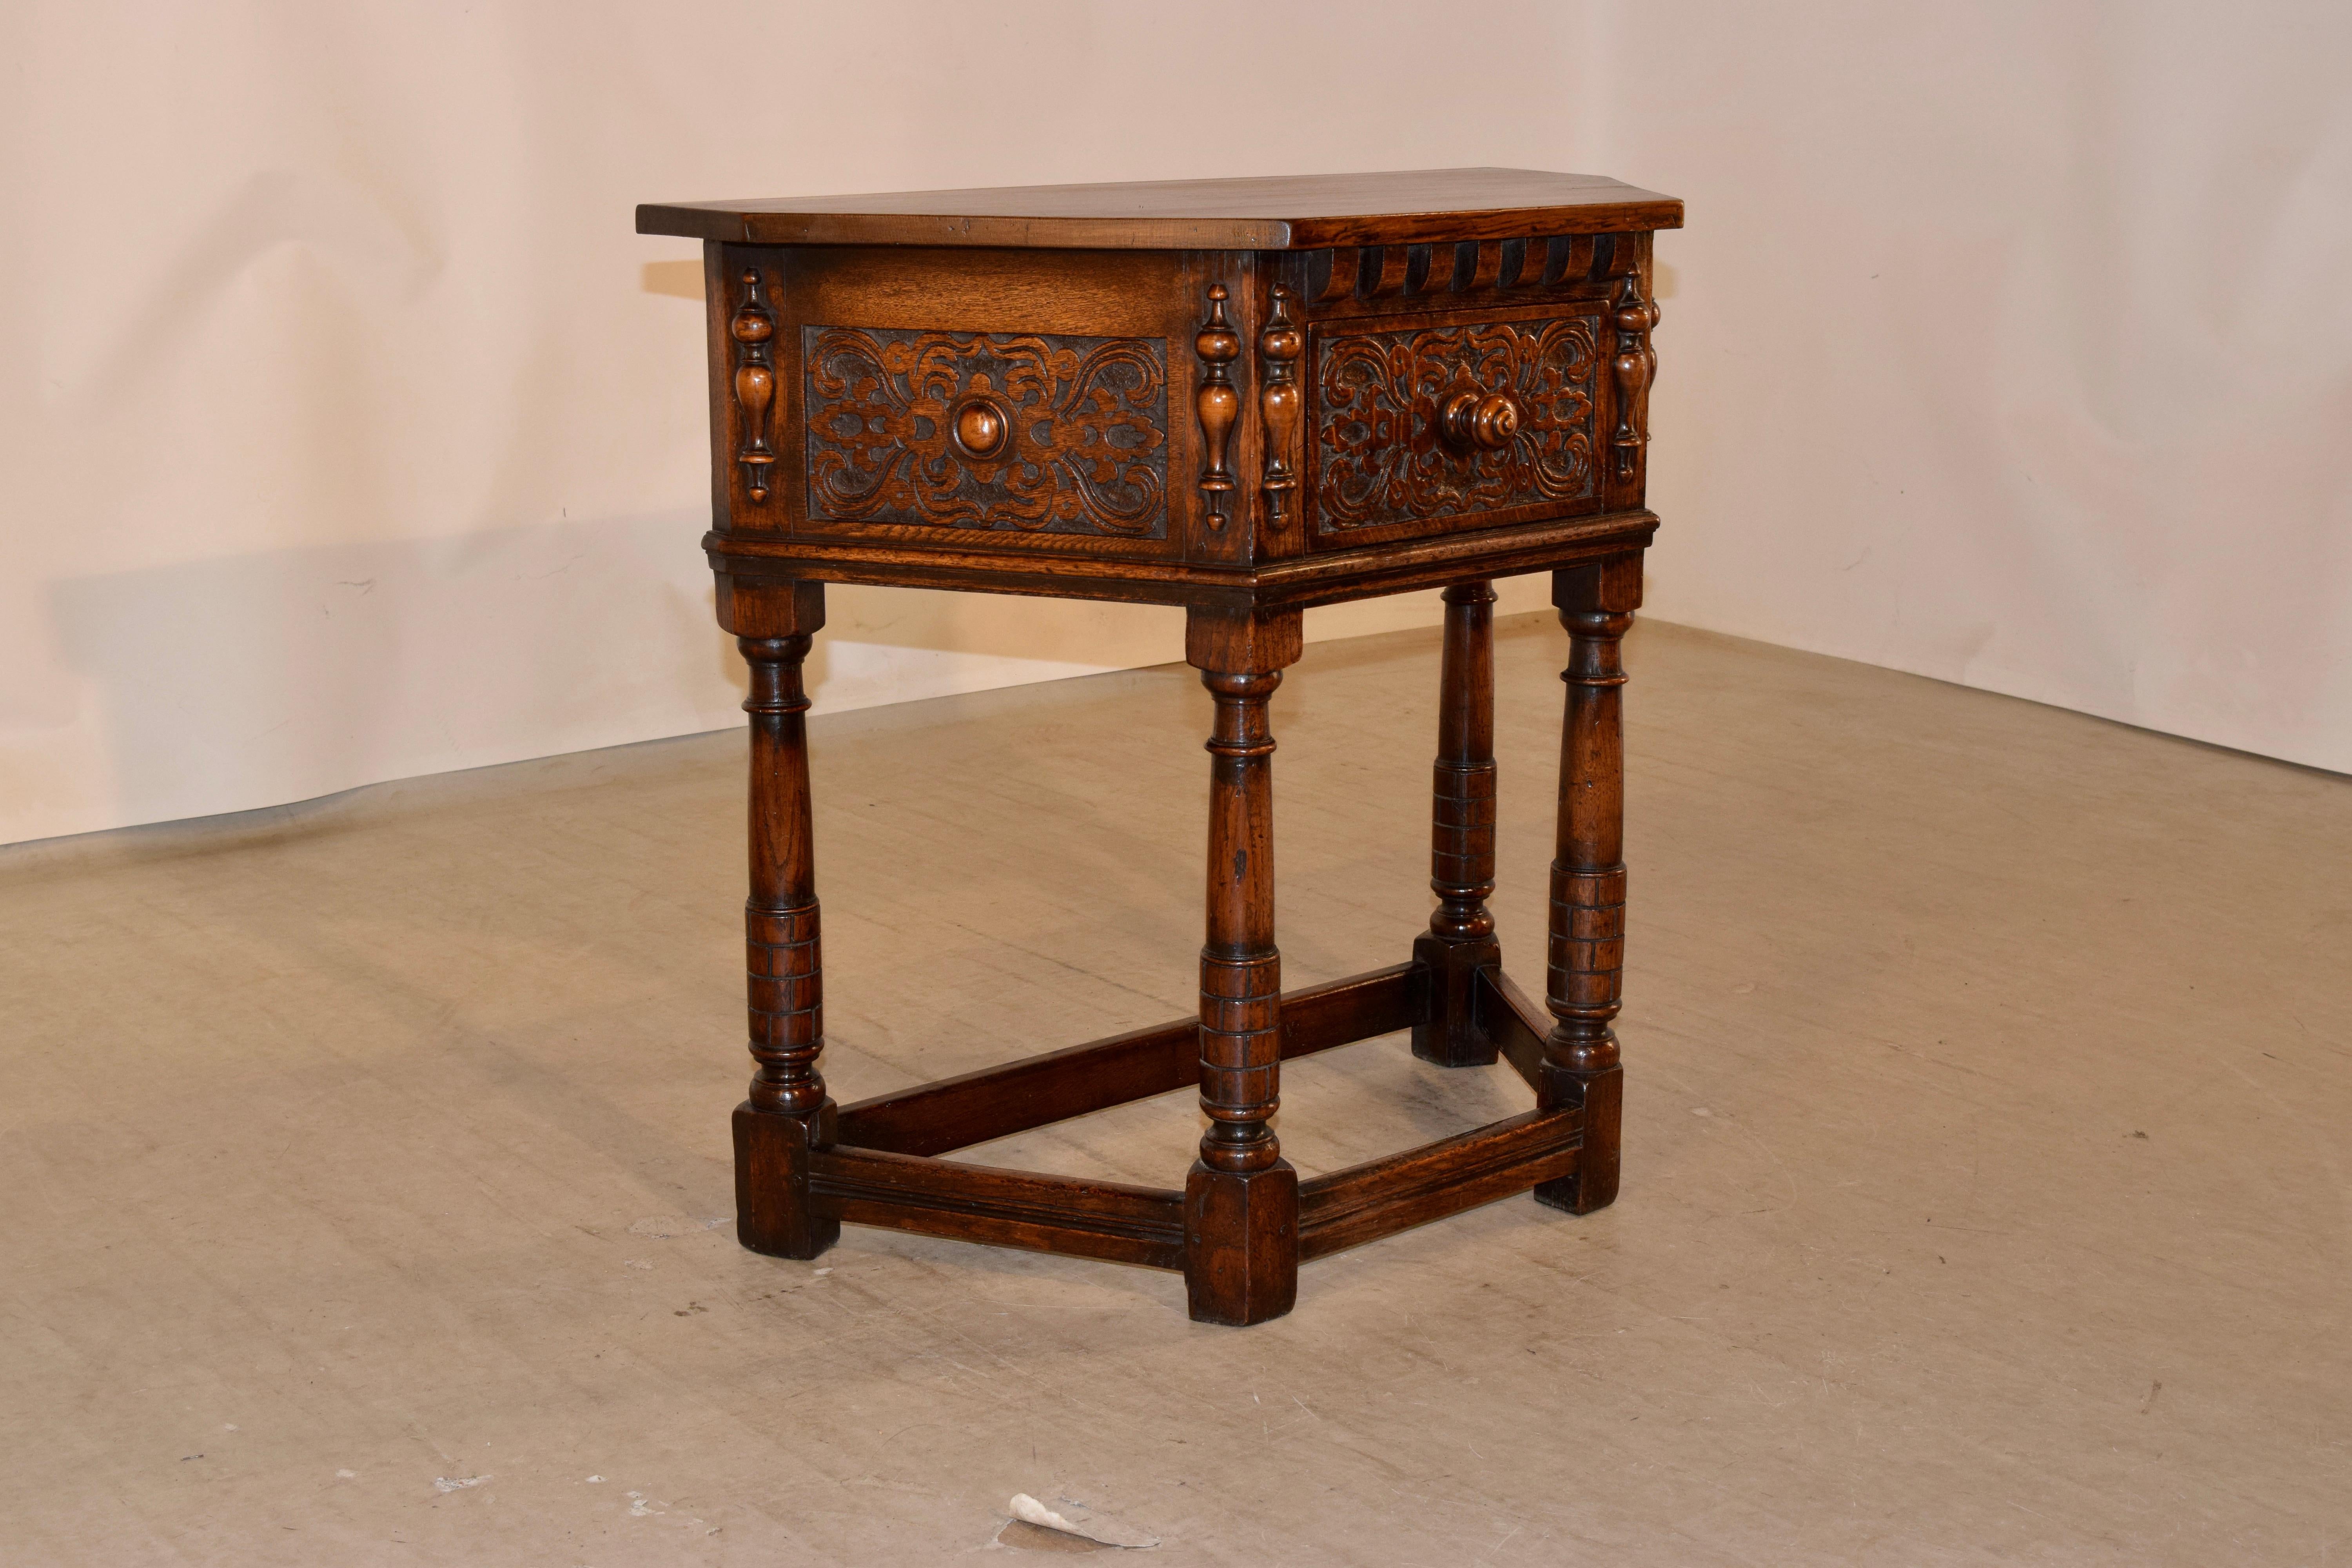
1301,582
1625,261
1005,1208
996,1103
1241,1197
1585,963
782,955
774,1213
1329,276
1515,1022
1482,274
1471,423
1058,434
1635,367
787,1112
884,365
1279,213
1216,403
1278,348
1246,397
752,327
1021,402
1381,1197
1241,1244
1461,936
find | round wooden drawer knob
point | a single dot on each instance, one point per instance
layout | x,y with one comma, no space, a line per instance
1475,423
981,429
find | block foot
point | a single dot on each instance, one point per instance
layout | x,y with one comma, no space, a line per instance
771,1182
1241,1244
1452,1037
1594,1185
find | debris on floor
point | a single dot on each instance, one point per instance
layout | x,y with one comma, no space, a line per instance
1096,1531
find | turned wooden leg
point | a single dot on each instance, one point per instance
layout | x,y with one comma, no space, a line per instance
1240,1199
1461,934
1583,969
788,1113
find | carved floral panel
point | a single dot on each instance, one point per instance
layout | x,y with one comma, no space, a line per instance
1046,434
1381,456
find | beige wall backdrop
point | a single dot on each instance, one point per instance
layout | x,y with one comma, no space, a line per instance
351,433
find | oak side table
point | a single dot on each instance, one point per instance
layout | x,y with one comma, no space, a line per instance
1246,397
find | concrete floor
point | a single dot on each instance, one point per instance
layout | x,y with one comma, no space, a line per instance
1987,1195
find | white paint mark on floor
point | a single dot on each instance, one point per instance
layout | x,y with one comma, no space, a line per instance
448,1484
1087,1526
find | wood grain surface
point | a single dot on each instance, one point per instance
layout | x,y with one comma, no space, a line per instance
1276,213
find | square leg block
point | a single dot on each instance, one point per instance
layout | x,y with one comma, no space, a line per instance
773,1154
1241,1244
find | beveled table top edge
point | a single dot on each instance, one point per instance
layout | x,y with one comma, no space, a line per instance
1289,212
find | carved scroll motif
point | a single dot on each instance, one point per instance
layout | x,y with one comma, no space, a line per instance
1216,403
1382,446
1279,347
753,329
1636,367
1044,433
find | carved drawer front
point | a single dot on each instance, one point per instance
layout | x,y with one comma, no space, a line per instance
1035,434
1429,428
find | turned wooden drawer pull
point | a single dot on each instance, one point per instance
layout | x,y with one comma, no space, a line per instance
1471,423
982,427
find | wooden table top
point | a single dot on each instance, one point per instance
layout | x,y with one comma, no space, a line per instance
1289,212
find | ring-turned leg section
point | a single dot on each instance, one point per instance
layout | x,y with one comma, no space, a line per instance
1587,955
788,1114
1461,935
1240,1199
